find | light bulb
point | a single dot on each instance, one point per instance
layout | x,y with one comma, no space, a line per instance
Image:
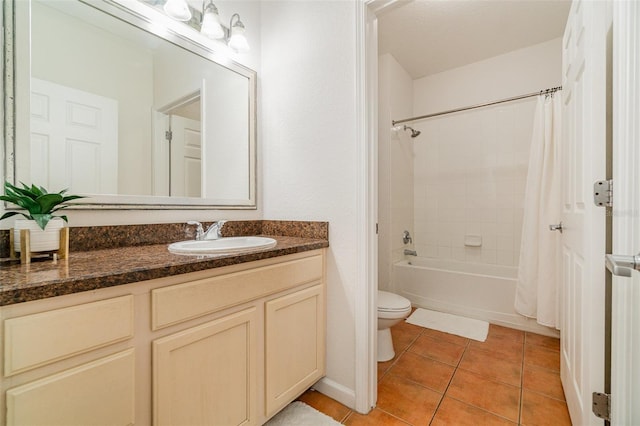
237,40
211,22
178,10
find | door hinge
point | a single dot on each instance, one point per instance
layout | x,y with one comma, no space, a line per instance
603,193
601,405
168,135
376,228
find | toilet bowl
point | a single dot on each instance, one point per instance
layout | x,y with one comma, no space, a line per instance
392,309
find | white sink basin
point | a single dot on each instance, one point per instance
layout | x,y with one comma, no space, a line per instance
222,245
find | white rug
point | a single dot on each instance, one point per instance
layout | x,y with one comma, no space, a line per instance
300,414
453,324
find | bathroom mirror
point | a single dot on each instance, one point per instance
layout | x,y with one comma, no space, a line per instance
112,99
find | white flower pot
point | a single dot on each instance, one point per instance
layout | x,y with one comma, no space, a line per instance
40,240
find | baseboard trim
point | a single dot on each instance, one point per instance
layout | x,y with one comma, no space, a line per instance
335,390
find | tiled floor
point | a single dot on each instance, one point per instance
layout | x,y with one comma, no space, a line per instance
441,379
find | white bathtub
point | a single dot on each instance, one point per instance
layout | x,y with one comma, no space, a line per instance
473,290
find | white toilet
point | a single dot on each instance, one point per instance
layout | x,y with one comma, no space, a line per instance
392,309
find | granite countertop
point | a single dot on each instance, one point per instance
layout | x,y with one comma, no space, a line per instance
95,269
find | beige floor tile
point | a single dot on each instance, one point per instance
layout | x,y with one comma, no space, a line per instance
456,413
326,405
497,398
442,351
505,332
403,334
446,337
485,389
383,367
539,410
544,341
543,381
407,400
376,417
538,356
424,371
501,347
491,366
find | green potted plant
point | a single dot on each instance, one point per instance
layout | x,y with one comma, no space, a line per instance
40,220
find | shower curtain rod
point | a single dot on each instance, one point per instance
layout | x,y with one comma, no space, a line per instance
515,98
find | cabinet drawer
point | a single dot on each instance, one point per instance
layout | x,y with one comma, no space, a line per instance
38,339
101,392
181,302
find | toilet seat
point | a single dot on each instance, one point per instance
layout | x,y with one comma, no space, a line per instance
392,302
392,305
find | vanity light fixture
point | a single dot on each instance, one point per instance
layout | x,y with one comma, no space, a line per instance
178,10
209,23
237,40
211,26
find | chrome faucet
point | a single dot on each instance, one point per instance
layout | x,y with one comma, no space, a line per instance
212,232
199,230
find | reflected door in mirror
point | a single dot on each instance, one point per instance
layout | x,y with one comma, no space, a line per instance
186,157
74,139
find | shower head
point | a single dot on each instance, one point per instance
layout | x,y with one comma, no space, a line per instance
414,132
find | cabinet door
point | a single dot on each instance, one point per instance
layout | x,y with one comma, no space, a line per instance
207,375
98,393
295,345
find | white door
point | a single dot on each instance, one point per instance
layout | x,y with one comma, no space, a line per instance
583,239
186,157
74,139
625,310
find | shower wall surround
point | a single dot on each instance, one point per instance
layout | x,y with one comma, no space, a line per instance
471,167
470,177
468,169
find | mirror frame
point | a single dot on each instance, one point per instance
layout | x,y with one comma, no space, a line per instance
147,19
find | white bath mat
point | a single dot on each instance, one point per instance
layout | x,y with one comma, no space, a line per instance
453,324
300,414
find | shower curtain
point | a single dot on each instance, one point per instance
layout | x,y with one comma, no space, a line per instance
538,286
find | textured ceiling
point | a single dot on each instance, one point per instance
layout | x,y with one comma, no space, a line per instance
431,36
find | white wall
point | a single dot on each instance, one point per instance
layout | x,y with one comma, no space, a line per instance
515,73
395,166
471,167
309,150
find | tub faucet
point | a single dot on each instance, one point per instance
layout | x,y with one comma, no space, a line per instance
213,232
406,237
410,252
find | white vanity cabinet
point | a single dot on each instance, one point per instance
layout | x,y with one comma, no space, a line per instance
225,346
70,365
294,345
262,349
206,375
